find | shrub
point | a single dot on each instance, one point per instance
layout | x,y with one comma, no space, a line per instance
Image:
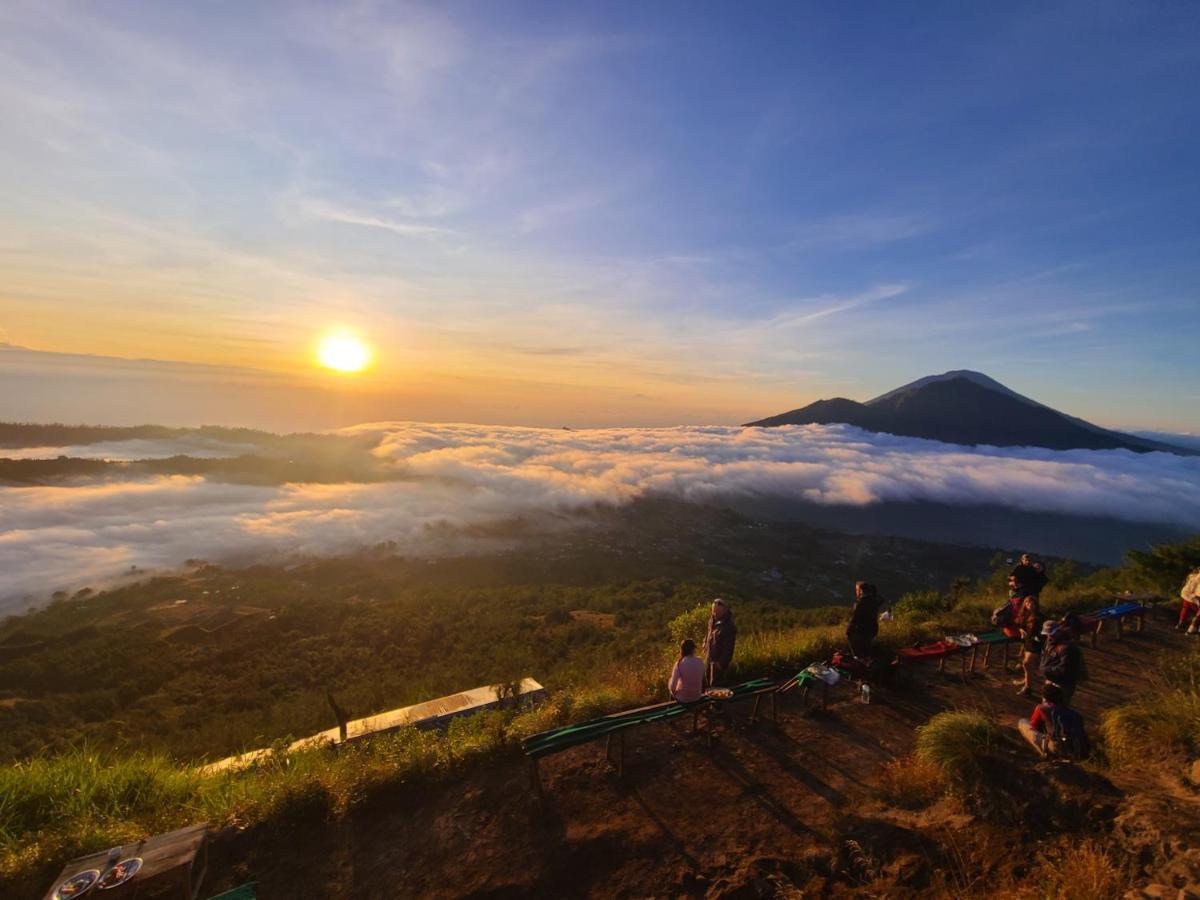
919,605
1154,727
691,624
911,783
1084,871
959,743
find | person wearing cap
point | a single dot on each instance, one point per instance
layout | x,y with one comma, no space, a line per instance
1064,659
1029,621
718,643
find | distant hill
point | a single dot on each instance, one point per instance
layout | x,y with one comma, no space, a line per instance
965,407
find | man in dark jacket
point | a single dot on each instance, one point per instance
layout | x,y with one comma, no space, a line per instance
1028,577
718,644
864,619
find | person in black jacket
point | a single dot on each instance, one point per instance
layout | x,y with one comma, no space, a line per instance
718,644
864,619
1028,577
1064,659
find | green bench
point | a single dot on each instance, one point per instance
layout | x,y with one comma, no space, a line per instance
614,726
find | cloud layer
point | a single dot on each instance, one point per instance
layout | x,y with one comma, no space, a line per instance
453,478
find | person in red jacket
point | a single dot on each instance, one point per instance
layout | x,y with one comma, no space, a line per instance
1190,608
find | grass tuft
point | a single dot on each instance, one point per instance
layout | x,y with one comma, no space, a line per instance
958,743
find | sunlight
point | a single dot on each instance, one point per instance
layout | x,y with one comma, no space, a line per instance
343,353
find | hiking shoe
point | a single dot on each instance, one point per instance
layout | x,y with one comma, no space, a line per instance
1018,682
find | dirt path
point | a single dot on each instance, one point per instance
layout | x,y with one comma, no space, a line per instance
683,821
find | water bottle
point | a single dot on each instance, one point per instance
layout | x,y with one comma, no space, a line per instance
866,693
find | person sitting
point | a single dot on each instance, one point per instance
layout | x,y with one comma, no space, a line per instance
719,642
1064,660
864,619
1029,623
1190,609
686,683
1054,729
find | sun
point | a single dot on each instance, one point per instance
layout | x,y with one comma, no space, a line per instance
343,353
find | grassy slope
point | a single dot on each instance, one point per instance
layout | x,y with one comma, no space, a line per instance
56,806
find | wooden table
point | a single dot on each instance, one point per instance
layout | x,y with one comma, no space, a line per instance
173,866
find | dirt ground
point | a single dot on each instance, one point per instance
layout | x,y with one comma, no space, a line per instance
761,813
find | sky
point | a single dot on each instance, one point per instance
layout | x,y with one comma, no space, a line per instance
594,214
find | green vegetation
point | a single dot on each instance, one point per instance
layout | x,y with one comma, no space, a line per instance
604,643
960,743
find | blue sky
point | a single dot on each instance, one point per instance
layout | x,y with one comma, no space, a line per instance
612,213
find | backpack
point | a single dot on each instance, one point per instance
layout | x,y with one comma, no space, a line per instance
1066,735
1003,615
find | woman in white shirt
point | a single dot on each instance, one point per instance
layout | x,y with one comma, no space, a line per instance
687,678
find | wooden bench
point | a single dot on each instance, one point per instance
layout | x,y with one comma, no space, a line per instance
614,726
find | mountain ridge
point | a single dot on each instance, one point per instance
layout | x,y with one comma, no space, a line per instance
967,407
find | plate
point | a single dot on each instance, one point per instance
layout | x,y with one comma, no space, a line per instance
719,693
77,885
120,873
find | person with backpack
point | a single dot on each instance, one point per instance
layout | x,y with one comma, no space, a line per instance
1029,621
1190,595
1054,729
718,643
1064,660
864,619
686,683
1029,576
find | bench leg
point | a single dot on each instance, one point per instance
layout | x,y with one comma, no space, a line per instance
1120,629
824,694
987,655
942,664
621,754
774,715
608,748
757,703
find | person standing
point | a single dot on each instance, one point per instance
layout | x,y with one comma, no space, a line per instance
1029,577
686,683
1190,595
1029,623
864,619
718,643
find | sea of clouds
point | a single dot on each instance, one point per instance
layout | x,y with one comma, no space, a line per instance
450,479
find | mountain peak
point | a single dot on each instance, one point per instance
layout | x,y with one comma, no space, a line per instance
967,407
974,377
